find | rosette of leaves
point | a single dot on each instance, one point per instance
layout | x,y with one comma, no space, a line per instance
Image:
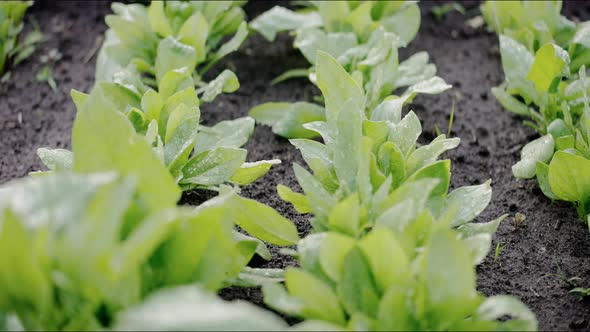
197,156
544,57
103,139
368,170
173,35
364,37
77,249
14,50
374,284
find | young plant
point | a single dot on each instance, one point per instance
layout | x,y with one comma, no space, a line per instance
84,247
364,38
369,170
14,50
197,156
173,35
544,57
373,283
103,139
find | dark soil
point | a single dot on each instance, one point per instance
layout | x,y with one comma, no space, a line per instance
550,241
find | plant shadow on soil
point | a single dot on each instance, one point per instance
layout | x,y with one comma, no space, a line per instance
32,116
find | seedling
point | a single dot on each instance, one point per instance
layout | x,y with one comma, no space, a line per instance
45,75
582,292
13,48
198,157
440,11
365,39
149,42
545,81
372,283
518,220
499,247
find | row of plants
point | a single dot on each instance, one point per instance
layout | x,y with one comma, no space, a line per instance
98,241
544,58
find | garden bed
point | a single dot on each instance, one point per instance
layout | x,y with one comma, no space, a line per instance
549,242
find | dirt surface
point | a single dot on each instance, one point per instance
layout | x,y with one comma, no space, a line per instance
550,241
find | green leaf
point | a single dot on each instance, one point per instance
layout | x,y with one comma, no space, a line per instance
313,150
319,301
152,104
226,134
213,167
310,41
469,202
234,43
158,20
478,246
333,249
172,55
280,19
431,86
73,190
516,58
389,110
226,82
346,216
289,74
177,117
261,248
347,147
449,277
510,103
403,204
298,200
497,307
320,201
542,171
357,288
292,125
393,313
329,71
415,69
287,119
180,145
103,140
392,162
263,222
276,297
187,96
405,23
428,154
173,81
472,229
250,172
213,256
405,134
22,276
539,150
386,257
194,32
569,177
440,170
550,62
256,277
196,310
79,98
56,159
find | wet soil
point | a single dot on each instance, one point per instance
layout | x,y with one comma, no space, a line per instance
551,245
